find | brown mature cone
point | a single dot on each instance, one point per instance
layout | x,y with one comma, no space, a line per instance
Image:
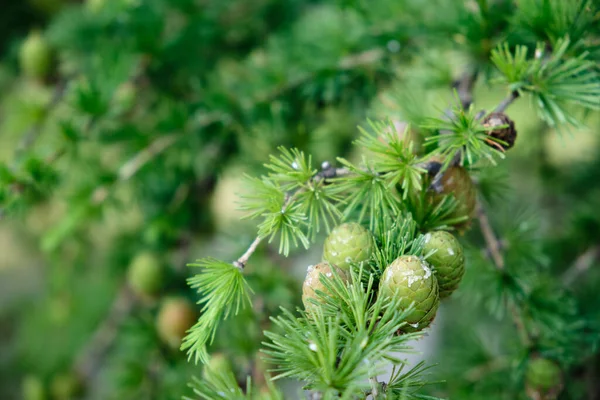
507,134
312,282
457,182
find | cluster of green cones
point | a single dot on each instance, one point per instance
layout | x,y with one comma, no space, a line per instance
420,281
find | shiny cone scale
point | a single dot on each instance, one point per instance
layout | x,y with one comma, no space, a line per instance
312,282
412,280
448,261
456,181
348,244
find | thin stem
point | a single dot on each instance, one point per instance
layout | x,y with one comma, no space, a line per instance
241,262
464,88
327,172
507,101
475,374
89,360
357,60
492,243
518,321
33,133
581,265
494,248
374,387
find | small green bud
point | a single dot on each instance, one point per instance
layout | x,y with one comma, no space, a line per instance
217,364
543,374
33,388
66,386
448,261
124,96
348,244
145,274
411,279
175,316
35,56
312,282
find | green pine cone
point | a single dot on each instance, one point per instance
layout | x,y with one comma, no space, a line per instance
312,283
543,374
411,278
348,244
35,56
448,261
145,274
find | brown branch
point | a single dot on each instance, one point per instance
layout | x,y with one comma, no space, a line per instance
494,248
492,243
241,262
507,101
464,88
361,59
134,164
581,264
34,131
327,172
475,374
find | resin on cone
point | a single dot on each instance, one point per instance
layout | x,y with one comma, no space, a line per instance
448,261
312,282
456,181
411,279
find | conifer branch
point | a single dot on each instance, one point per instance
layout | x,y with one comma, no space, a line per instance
493,244
89,359
241,262
581,264
512,96
464,87
494,247
33,133
360,59
374,387
327,172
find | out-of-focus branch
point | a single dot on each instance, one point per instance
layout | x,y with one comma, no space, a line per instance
92,356
29,137
581,264
492,242
494,248
507,101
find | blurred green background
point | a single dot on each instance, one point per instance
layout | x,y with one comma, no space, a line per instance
134,138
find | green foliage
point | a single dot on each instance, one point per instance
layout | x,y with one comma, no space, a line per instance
223,291
462,132
553,80
366,191
338,344
135,131
393,156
